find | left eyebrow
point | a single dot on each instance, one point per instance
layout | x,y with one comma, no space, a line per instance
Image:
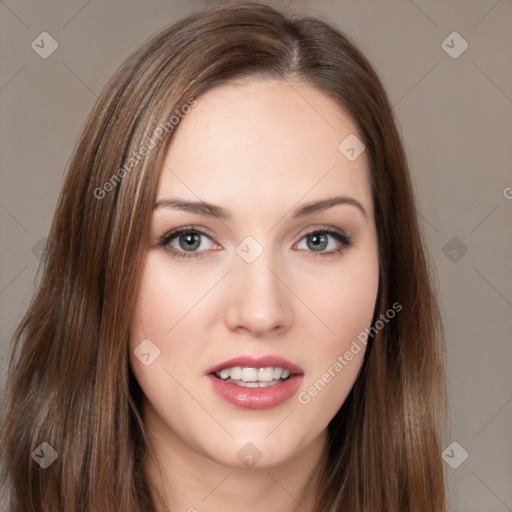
211,210
324,204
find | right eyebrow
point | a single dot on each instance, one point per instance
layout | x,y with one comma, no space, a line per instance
198,207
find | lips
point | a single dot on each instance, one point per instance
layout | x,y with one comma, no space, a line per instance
256,397
257,362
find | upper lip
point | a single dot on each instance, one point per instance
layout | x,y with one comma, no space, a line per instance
258,362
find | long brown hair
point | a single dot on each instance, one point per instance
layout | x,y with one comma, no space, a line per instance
69,382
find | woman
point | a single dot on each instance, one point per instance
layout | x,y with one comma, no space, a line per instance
235,310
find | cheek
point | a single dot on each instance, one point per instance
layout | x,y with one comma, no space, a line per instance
345,303
151,320
163,299
161,322
154,316
345,300
351,303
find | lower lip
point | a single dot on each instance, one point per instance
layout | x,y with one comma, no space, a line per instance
256,398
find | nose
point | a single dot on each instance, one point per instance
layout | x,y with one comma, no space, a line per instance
259,301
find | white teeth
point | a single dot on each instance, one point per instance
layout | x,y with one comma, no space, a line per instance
243,384
224,374
235,373
266,374
266,384
248,375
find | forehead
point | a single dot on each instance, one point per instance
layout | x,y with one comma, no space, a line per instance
268,140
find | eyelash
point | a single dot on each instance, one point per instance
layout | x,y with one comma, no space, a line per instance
344,240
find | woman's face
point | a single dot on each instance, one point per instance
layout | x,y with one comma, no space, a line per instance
257,280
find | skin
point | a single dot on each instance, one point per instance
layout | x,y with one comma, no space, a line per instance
258,148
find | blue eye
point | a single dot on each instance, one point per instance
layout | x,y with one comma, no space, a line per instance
318,240
187,242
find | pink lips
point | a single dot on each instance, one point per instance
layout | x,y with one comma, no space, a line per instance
256,398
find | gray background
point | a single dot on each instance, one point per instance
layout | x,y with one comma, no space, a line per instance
455,115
